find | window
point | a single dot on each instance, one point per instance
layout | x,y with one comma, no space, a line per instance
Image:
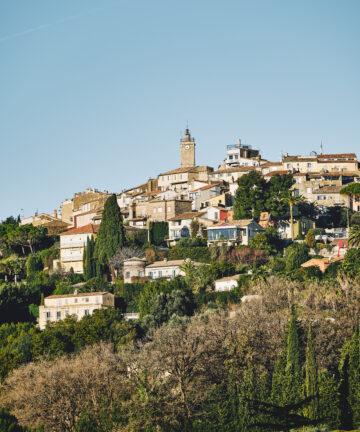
309,165
76,300
173,273
168,177
151,274
288,166
87,300
140,273
86,312
127,274
160,273
169,208
154,210
58,315
48,315
159,210
308,190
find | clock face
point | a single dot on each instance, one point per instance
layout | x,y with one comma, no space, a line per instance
187,147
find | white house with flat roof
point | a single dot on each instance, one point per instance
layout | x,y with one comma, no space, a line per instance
227,283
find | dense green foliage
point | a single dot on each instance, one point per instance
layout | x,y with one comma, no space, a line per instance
255,195
89,260
159,231
197,253
295,255
250,196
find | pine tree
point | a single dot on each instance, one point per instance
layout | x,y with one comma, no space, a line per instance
311,377
111,235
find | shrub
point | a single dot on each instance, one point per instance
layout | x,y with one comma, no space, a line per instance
196,253
296,254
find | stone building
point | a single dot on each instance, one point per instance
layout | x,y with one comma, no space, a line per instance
187,151
133,268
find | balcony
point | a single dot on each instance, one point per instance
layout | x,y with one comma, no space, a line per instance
69,245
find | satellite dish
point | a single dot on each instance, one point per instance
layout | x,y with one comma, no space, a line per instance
313,153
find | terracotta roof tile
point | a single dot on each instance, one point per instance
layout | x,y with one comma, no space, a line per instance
177,171
188,215
82,230
202,188
337,156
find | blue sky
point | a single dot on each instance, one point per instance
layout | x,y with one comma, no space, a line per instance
96,93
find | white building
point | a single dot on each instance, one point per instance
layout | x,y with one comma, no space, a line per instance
241,155
227,283
72,245
167,269
235,232
58,307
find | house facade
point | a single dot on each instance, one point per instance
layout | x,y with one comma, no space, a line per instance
72,245
235,232
167,269
58,307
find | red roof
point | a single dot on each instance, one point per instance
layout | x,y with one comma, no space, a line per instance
272,173
202,188
336,156
82,230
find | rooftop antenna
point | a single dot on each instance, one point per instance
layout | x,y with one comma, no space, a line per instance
321,147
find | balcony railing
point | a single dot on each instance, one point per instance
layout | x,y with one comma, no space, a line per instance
238,146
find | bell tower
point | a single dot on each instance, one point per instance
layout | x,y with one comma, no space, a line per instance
187,151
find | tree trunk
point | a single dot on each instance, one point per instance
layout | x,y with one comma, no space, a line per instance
291,221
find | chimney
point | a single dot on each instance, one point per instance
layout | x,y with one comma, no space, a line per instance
55,214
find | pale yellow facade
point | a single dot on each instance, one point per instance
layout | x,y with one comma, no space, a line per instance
58,307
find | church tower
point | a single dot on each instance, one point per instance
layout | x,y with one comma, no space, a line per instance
187,151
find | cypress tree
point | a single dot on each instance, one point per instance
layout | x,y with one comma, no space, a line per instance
89,260
278,379
111,235
346,415
311,376
329,399
292,368
350,377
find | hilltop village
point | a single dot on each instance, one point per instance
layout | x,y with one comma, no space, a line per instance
201,300
194,193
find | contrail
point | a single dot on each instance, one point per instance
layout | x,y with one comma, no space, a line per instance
44,26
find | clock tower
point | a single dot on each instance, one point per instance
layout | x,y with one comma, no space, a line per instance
187,151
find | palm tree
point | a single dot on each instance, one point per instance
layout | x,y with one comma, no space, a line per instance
354,237
293,200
